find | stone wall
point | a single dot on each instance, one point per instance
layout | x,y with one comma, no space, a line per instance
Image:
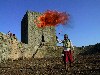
33,35
50,51
11,48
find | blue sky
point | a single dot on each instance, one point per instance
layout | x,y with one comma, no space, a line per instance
83,27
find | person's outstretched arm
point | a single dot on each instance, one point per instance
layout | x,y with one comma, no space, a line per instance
59,41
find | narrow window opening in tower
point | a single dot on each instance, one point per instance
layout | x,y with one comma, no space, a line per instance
43,39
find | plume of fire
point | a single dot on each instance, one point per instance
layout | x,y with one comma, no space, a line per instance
52,18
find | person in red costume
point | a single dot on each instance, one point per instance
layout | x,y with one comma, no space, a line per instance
68,53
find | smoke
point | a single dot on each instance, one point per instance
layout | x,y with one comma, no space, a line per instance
52,18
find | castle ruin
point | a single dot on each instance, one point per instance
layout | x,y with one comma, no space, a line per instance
32,35
35,42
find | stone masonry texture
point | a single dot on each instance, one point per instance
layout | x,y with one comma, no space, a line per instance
32,35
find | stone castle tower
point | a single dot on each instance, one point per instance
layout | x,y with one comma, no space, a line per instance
32,35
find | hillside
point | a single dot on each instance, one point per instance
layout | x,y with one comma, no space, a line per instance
18,59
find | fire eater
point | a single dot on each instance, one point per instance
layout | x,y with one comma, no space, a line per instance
68,57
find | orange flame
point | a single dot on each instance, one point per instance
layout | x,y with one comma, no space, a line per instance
52,18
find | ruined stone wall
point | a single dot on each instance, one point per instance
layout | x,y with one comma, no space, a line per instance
31,37
11,48
36,35
50,35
